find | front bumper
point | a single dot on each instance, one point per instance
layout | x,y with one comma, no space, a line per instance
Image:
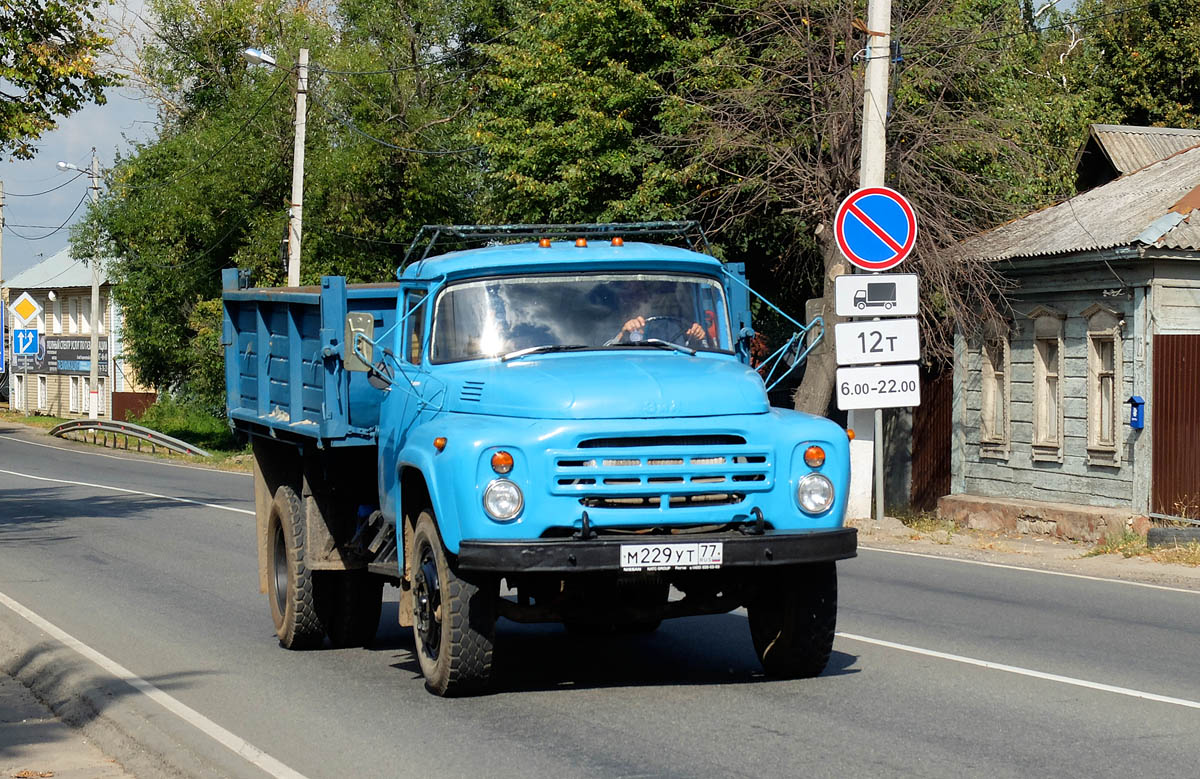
558,555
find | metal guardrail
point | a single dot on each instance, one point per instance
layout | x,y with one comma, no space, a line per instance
128,429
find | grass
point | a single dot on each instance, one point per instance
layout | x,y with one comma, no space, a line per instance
32,420
1131,544
928,523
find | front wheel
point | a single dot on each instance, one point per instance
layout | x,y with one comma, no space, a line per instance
793,619
454,620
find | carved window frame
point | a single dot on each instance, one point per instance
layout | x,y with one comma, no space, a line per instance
995,403
1104,382
1048,371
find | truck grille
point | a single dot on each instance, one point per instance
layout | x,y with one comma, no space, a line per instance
662,472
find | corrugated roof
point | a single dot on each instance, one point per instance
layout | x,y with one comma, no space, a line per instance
55,272
1143,207
1131,148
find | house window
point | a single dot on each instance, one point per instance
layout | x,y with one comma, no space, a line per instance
1047,383
17,399
42,393
994,401
73,404
56,316
1104,385
73,315
85,316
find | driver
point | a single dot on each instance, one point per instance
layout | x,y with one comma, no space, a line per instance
655,307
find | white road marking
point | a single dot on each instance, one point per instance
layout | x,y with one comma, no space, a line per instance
1030,570
131,492
1012,669
236,744
126,459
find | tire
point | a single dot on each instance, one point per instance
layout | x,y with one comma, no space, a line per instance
354,600
454,620
793,619
291,587
1172,536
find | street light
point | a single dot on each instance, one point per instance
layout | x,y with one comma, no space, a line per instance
93,374
296,212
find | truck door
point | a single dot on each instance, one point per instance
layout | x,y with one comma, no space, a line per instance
739,307
402,406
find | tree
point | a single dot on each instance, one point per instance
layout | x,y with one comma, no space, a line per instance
386,152
778,118
48,67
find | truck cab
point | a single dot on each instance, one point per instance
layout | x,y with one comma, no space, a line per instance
568,430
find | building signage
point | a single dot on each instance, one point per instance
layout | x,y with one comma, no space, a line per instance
63,355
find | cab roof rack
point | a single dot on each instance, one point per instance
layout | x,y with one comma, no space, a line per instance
464,236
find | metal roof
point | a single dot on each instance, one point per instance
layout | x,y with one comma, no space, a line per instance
1131,148
56,272
1157,206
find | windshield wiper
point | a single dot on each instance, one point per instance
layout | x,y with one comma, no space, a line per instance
543,349
658,343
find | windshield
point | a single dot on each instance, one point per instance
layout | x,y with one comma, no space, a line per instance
495,317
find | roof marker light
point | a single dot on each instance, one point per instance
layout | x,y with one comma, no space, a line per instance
544,243
581,242
618,241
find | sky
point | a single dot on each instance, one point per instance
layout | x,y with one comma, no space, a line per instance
30,222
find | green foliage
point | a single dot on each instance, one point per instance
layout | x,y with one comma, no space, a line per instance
190,421
48,68
572,112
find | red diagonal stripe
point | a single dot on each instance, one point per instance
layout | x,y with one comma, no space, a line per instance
879,233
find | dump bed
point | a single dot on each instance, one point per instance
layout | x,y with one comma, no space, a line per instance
283,359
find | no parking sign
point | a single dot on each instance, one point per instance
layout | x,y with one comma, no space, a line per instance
876,228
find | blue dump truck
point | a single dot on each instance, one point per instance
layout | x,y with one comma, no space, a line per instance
560,425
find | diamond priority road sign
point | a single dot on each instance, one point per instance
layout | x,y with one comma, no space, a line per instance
876,228
24,309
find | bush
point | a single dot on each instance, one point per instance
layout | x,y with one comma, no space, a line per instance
189,420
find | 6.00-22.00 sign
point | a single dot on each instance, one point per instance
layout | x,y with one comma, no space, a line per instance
878,386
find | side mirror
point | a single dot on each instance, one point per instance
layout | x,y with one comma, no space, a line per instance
359,322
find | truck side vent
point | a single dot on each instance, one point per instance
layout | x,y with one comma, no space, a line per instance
472,391
663,440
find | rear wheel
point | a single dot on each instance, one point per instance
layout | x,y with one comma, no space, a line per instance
291,589
454,620
793,619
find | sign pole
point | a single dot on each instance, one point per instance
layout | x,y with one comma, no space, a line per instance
872,166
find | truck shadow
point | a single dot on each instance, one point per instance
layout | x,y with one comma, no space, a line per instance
688,651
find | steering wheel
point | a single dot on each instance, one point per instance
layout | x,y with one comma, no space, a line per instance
670,324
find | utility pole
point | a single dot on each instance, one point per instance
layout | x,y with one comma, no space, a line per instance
868,423
296,212
93,400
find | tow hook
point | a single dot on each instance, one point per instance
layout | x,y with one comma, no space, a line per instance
585,531
760,524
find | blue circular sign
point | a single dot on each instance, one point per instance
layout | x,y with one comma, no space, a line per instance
876,228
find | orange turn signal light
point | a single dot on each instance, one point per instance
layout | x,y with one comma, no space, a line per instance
814,457
581,242
850,433
618,241
544,243
502,462
439,443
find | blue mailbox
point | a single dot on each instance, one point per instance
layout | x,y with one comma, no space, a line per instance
1137,412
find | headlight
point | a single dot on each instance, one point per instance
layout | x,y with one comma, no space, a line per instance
503,499
815,493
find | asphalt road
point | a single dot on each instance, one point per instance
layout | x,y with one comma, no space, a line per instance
941,667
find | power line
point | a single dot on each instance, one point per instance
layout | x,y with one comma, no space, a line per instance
47,191
228,141
55,230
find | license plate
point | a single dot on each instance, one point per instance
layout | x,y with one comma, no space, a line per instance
671,557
